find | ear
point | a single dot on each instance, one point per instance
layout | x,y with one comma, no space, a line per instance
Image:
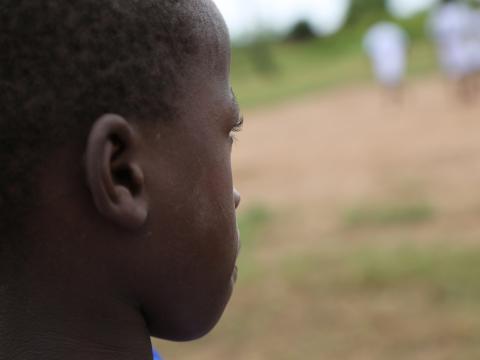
113,172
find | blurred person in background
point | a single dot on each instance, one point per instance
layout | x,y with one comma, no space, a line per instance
386,45
475,48
450,25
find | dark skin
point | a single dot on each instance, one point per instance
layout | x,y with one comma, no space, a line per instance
135,235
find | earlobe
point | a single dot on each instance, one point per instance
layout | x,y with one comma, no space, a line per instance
113,172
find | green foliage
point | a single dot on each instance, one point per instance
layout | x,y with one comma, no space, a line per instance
316,65
269,71
300,68
415,26
389,214
301,31
366,11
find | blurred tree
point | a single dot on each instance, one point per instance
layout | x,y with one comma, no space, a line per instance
365,12
474,3
301,31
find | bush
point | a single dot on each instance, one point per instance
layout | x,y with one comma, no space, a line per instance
301,31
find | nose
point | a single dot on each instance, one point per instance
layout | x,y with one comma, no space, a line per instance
236,197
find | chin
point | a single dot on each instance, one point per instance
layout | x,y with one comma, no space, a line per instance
194,330
193,326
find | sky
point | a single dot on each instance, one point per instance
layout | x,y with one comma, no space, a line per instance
247,16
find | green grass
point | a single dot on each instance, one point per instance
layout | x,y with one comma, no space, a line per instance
351,300
388,214
323,63
443,273
446,273
251,223
301,68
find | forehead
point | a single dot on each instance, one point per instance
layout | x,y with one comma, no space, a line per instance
203,86
211,36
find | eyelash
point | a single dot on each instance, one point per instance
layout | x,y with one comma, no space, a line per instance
237,128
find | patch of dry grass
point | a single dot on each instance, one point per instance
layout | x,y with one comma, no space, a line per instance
347,300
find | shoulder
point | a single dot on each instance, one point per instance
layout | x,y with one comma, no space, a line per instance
156,356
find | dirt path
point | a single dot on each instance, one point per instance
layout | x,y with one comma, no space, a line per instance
350,144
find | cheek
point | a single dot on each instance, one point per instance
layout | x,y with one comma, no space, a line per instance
193,248
213,185
214,211
193,212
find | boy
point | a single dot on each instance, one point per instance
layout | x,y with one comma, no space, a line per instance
386,45
475,49
450,26
116,195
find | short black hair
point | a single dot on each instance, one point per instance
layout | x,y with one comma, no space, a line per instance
65,63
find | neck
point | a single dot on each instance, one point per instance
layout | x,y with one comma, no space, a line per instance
37,325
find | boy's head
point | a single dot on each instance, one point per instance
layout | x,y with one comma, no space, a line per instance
116,193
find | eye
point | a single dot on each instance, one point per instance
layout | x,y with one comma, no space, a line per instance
236,128
238,125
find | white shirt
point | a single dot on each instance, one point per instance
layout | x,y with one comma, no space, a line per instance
475,39
386,44
450,25
450,21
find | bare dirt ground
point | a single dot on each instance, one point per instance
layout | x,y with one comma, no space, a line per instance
310,159
352,143
332,151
